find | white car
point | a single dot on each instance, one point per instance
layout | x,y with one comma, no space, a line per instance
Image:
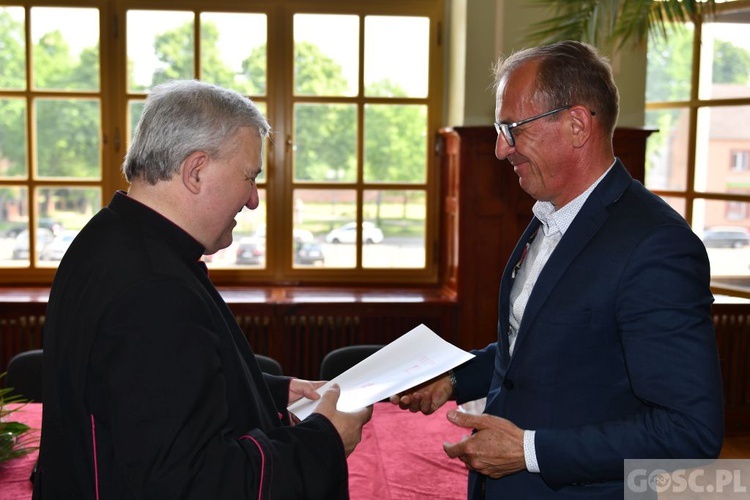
22,244
55,249
726,237
348,233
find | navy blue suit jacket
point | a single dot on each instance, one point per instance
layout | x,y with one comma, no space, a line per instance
616,354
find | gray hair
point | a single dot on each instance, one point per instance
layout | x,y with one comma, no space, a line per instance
181,117
569,73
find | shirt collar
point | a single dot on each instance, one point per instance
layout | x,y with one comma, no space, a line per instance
554,221
157,226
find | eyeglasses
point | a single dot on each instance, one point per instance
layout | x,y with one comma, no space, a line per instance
505,128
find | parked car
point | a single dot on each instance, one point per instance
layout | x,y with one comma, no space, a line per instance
309,253
250,250
22,243
13,229
726,237
55,249
302,236
348,233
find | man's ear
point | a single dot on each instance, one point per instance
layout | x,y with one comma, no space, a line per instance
580,125
192,170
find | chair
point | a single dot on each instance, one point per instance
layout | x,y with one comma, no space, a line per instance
24,375
269,365
339,360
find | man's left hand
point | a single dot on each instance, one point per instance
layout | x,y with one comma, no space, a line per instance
495,449
299,389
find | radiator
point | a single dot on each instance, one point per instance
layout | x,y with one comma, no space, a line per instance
732,322
17,334
308,338
259,331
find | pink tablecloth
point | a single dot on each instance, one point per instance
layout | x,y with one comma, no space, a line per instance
400,457
14,474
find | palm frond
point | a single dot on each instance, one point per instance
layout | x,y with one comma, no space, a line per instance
601,22
570,21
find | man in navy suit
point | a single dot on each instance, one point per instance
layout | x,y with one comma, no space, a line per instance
606,349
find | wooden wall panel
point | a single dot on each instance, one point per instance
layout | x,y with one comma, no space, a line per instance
491,213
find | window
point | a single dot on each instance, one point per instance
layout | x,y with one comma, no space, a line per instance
736,211
349,188
698,97
740,161
50,131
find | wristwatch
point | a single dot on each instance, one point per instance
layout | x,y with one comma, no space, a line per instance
452,380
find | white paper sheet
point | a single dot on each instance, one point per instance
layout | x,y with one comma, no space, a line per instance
415,357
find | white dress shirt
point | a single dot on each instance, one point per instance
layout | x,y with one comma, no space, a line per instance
554,224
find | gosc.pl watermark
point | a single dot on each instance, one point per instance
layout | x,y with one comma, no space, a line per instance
683,479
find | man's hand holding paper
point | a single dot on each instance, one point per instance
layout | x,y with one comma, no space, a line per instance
414,358
427,397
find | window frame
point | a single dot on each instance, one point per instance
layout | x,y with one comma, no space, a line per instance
694,104
279,268
35,275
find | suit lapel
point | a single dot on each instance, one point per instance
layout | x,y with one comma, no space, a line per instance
507,282
586,224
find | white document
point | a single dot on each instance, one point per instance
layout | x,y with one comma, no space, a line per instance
415,357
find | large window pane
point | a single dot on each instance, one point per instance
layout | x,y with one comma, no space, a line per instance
325,142
61,214
233,51
248,248
68,138
328,216
667,149
13,138
326,55
670,62
66,48
307,247
160,47
13,53
402,76
395,143
14,225
721,136
725,229
400,216
725,60
712,214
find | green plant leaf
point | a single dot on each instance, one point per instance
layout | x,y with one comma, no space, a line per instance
600,22
14,428
13,442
